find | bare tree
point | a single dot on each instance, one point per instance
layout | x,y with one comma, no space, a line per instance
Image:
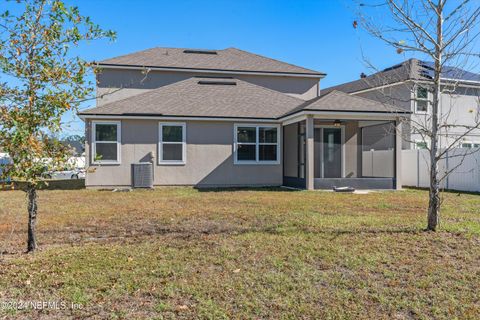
446,33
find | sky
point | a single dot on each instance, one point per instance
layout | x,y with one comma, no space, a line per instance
315,34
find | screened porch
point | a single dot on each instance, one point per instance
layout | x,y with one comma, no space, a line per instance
325,153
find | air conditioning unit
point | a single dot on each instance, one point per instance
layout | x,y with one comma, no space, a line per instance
142,175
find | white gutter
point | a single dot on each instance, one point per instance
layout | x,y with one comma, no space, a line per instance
83,117
379,87
287,119
283,74
444,81
462,81
344,115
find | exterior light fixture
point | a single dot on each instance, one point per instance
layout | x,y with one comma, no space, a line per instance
336,123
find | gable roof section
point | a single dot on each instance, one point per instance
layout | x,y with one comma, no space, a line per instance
230,59
337,101
203,97
412,69
397,73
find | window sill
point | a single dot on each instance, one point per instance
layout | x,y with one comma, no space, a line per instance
107,163
258,163
179,163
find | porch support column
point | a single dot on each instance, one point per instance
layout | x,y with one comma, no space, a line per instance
309,159
398,154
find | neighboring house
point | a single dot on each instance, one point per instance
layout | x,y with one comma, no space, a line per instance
218,118
405,86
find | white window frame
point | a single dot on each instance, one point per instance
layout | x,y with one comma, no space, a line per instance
161,143
257,144
416,99
416,142
94,142
470,142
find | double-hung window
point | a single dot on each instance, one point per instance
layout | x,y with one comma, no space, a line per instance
469,145
172,146
106,141
256,144
421,100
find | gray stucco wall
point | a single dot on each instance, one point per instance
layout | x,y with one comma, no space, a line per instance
290,155
209,158
119,84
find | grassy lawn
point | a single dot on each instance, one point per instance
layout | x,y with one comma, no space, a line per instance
180,253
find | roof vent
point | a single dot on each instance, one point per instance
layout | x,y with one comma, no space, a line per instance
218,83
213,77
363,75
200,51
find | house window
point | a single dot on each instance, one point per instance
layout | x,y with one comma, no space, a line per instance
106,142
421,100
470,145
172,145
256,144
421,144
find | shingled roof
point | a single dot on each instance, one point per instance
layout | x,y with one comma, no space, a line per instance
230,98
337,101
204,97
412,69
230,59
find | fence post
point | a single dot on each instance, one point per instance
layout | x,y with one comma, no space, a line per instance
371,154
446,170
418,167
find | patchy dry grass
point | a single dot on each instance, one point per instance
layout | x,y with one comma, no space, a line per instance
183,253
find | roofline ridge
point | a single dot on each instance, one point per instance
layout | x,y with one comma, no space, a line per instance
157,47
271,90
273,59
363,98
304,106
309,102
127,54
140,94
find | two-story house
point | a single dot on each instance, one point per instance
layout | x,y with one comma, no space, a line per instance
228,117
406,85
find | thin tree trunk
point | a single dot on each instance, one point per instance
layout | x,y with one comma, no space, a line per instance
32,218
434,198
434,192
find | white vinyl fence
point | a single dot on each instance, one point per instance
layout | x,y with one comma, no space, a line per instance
466,177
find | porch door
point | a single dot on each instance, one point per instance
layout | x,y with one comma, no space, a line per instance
332,153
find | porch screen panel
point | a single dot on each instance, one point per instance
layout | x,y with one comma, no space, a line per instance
290,150
378,150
